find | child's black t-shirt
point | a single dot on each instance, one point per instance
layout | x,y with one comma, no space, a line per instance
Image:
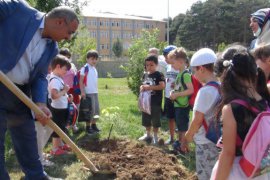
154,79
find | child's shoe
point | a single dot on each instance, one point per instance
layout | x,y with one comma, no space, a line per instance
75,129
47,163
177,148
90,131
58,152
65,147
146,138
95,128
169,141
155,140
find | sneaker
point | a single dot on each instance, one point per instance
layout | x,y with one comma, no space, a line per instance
90,131
146,138
65,147
95,128
47,155
176,145
177,148
58,152
169,141
155,140
47,163
75,129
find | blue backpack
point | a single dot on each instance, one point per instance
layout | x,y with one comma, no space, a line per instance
213,129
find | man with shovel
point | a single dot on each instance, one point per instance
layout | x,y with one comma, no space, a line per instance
27,45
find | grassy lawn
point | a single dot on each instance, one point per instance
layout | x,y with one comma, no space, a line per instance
118,107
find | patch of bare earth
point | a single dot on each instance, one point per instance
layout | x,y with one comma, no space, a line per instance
134,160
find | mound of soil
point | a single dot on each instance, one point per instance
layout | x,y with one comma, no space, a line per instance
135,160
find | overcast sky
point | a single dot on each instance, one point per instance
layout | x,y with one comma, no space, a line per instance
158,9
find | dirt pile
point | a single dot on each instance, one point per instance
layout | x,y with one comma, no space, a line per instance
134,160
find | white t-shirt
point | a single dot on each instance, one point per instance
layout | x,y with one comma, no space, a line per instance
55,82
162,65
205,103
170,77
92,79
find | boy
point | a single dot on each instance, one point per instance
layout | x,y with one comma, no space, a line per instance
170,77
206,100
58,94
180,95
152,81
89,93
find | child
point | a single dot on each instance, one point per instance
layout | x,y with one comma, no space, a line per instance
170,77
180,96
58,94
262,56
152,81
206,100
68,79
89,93
238,82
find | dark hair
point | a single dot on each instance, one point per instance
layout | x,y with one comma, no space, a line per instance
227,55
65,52
152,58
209,67
241,69
262,52
92,53
61,60
64,12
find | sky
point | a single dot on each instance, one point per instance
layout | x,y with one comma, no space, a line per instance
158,9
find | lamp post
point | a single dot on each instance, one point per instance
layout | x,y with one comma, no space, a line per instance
168,23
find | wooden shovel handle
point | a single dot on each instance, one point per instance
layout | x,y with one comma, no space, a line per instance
26,100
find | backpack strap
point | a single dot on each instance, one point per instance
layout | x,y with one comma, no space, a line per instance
246,105
217,86
182,79
253,109
57,79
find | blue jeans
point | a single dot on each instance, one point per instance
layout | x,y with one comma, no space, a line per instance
17,118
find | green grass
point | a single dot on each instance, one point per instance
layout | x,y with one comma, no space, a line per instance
119,107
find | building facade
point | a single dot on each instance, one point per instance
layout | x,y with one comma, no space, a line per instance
107,27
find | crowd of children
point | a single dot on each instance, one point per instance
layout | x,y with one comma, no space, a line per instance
232,75
226,77
65,103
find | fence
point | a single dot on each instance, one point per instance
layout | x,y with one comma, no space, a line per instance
111,69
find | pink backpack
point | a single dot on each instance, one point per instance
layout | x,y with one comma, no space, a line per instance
256,146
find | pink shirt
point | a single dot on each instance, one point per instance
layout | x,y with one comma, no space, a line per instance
68,78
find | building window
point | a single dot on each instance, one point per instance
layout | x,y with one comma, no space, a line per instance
93,34
102,46
94,22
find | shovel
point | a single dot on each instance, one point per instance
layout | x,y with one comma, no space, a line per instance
13,88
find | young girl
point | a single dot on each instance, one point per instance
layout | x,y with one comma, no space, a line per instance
262,56
238,82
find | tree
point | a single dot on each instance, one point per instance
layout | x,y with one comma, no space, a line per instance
137,53
81,45
117,48
176,22
209,23
47,5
